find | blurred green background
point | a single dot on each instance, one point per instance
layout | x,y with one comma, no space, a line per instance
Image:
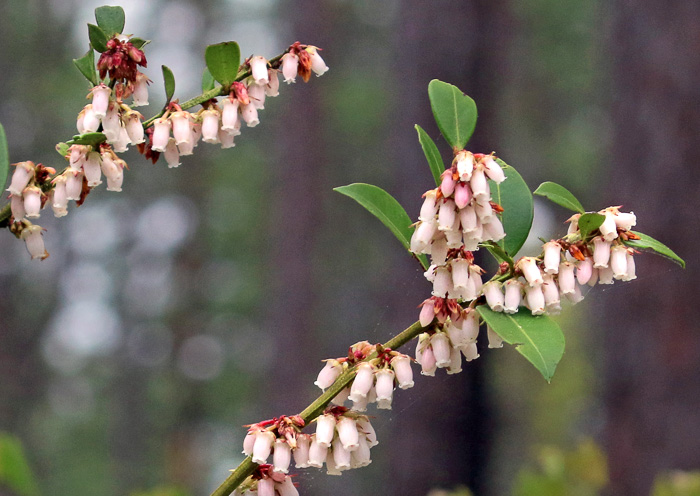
205,297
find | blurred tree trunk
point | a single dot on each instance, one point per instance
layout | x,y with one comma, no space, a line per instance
652,343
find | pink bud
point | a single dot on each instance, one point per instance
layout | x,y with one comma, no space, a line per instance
447,185
290,65
428,362
100,99
480,187
584,270
493,170
427,313
463,195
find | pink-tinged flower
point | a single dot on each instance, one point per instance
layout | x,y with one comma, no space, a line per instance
249,442
140,92
463,195
347,432
266,487
256,93
460,274
429,209
301,452
427,312
74,184
359,404
484,211
480,187
428,362
112,171
608,228
114,183
250,115
421,346
631,268
262,446
229,114
404,373
601,253
495,341
272,89
468,219
317,453
573,223
24,172
325,429
100,99
513,296
454,235
442,286
286,488
384,388
90,122
281,456
161,134
363,382
258,69
494,295
438,251
455,366
342,457
530,270
576,296
441,346
32,202
447,183
470,352
122,142
331,468
111,123
365,427
475,277
447,215
290,64
618,261
92,170
550,290
423,235
210,126
329,373
134,127
317,63
493,170
77,156
625,221
567,281
584,270
552,257
226,139
594,278
341,397
465,164
430,273
181,122
470,325
172,154
33,240
17,207
493,229
361,456
535,299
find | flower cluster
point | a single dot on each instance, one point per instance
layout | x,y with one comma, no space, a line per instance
376,377
342,441
266,482
120,61
566,264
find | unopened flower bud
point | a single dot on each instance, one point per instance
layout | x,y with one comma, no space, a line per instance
427,313
584,270
493,169
463,195
447,183
479,185
428,362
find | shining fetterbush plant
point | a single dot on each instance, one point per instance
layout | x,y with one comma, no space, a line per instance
480,203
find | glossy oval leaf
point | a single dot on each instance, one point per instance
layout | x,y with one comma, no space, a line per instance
538,338
86,66
98,38
589,222
454,112
208,81
560,195
646,242
4,157
139,42
223,61
15,473
384,207
432,154
514,196
92,139
110,19
169,81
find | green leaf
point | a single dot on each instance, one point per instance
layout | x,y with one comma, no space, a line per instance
169,80
432,154
385,207
514,196
589,222
139,42
537,338
454,112
15,472
62,148
559,195
208,82
92,139
223,61
110,19
98,38
4,157
648,243
86,66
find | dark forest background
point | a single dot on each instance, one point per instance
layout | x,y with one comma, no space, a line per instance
205,297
